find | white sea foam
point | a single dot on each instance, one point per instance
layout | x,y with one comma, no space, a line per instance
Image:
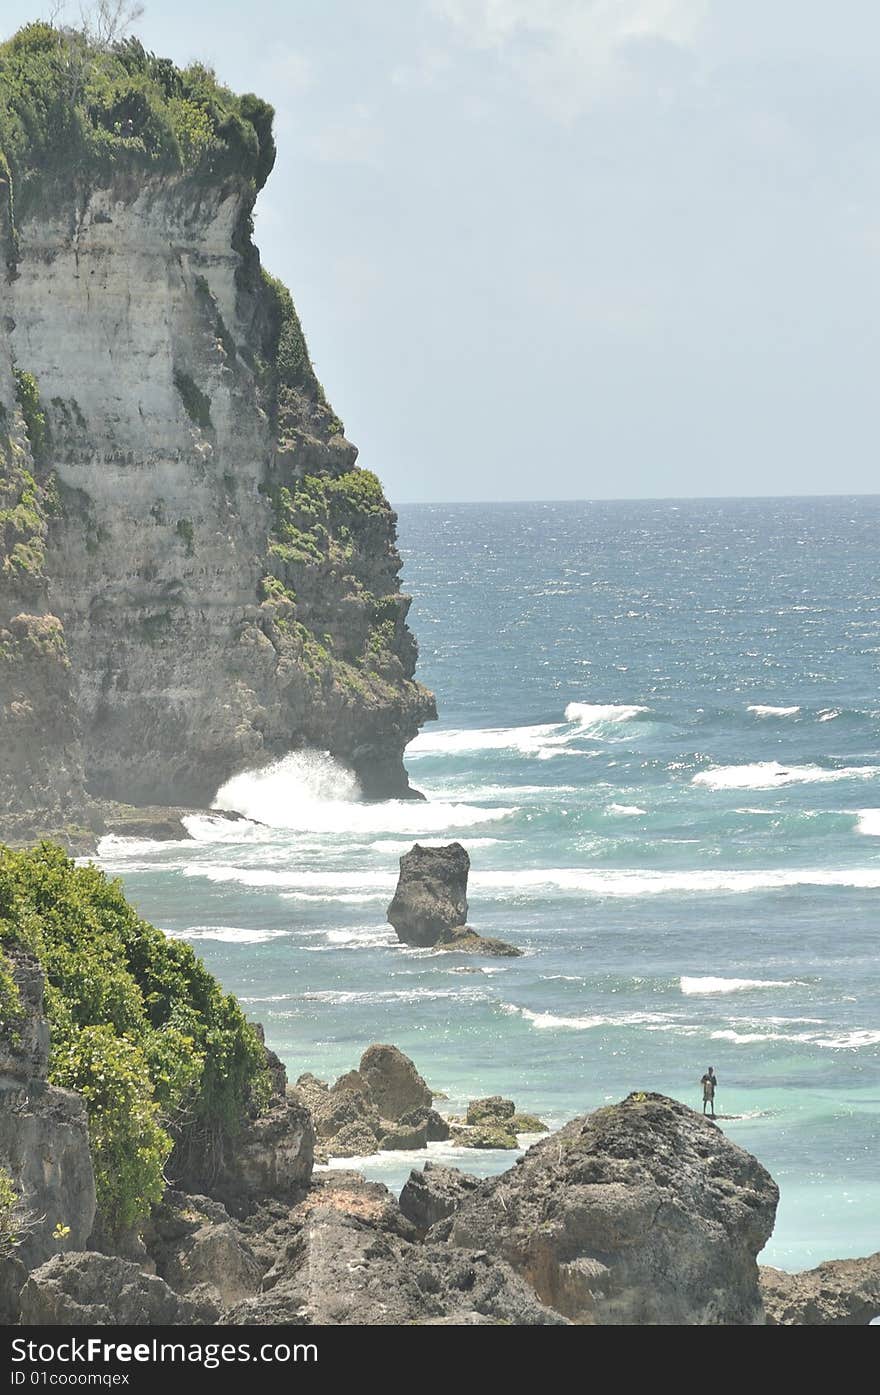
769,774
228,934
540,741
551,1021
843,1040
310,792
625,810
868,822
762,710
344,997
625,883
207,828
397,846
701,986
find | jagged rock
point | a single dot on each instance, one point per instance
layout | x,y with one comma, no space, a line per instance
198,1249
44,1146
643,1212
431,893
275,1066
436,1127
491,1135
12,1276
403,1137
492,1110
354,1140
91,1289
394,1083
24,1050
272,1156
527,1123
838,1293
464,940
435,1192
340,1269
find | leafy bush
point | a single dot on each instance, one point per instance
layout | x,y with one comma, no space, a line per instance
70,108
139,1026
28,393
8,1207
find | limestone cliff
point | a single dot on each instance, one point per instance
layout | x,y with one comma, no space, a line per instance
196,577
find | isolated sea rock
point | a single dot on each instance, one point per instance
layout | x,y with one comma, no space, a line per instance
643,1212
436,1127
429,907
394,1083
431,895
838,1293
91,1289
431,1194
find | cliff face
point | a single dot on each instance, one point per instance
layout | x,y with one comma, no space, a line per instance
211,581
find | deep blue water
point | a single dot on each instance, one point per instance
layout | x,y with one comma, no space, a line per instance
660,741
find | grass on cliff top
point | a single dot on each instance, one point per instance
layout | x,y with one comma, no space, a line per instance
139,1026
71,107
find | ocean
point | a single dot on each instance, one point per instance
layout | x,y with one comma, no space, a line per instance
659,740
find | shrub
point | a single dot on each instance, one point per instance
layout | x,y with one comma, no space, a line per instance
138,1024
72,110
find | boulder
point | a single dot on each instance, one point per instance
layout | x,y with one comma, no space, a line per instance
90,1289
271,1156
838,1293
491,1135
354,1140
435,1192
395,1085
197,1248
643,1212
464,940
403,1137
491,1110
436,1128
431,893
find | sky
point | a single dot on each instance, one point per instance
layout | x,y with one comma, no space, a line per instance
572,249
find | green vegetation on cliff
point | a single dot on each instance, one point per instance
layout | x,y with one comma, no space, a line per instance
71,108
162,1056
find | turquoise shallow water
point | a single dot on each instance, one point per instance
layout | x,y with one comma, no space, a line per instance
660,741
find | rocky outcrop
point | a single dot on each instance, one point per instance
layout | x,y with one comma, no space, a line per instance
339,1269
198,1248
270,1155
642,1212
435,1192
44,1140
383,1105
430,906
195,576
91,1289
838,1293
393,1081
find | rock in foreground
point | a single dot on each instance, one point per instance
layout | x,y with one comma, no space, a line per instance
429,908
838,1293
640,1213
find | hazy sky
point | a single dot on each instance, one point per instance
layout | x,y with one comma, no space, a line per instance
572,248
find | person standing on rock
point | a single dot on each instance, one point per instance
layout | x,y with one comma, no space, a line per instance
708,1082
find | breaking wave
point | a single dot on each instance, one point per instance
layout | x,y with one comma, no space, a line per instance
762,710
769,774
310,792
700,986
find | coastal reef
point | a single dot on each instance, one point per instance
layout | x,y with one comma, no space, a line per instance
195,576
